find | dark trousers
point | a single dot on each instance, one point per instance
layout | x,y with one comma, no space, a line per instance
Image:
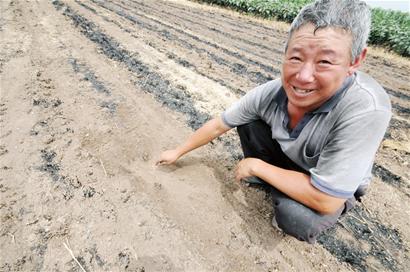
291,216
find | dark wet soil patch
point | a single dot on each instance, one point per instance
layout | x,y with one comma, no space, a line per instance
384,243
49,165
398,94
45,103
88,191
65,184
111,106
3,150
401,111
343,251
397,125
390,178
89,75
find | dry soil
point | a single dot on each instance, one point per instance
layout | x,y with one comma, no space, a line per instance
92,91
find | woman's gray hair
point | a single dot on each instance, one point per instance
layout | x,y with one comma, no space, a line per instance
353,16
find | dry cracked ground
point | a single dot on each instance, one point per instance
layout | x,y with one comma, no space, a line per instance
92,91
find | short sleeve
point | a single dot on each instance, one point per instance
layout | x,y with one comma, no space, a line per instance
349,153
251,106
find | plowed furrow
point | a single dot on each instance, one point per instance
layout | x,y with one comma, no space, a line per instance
199,39
396,73
204,62
150,82
400,110
401,95
209,28
242,72
389,177
154,42
230,21
252,49
208,19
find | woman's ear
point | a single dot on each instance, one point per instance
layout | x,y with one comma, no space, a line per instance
357,62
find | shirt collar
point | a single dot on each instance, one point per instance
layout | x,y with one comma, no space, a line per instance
282,99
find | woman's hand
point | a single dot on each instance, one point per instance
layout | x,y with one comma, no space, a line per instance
168,157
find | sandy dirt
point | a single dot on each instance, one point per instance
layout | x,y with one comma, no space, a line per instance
92,91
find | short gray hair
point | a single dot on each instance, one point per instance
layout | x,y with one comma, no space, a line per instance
353,16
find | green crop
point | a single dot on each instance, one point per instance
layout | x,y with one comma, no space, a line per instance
389,28
392,29
281,10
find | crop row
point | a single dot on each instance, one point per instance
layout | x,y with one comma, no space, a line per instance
389,28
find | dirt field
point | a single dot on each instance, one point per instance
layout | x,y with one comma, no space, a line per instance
92,91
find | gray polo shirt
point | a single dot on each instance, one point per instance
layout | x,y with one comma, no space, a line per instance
336,143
